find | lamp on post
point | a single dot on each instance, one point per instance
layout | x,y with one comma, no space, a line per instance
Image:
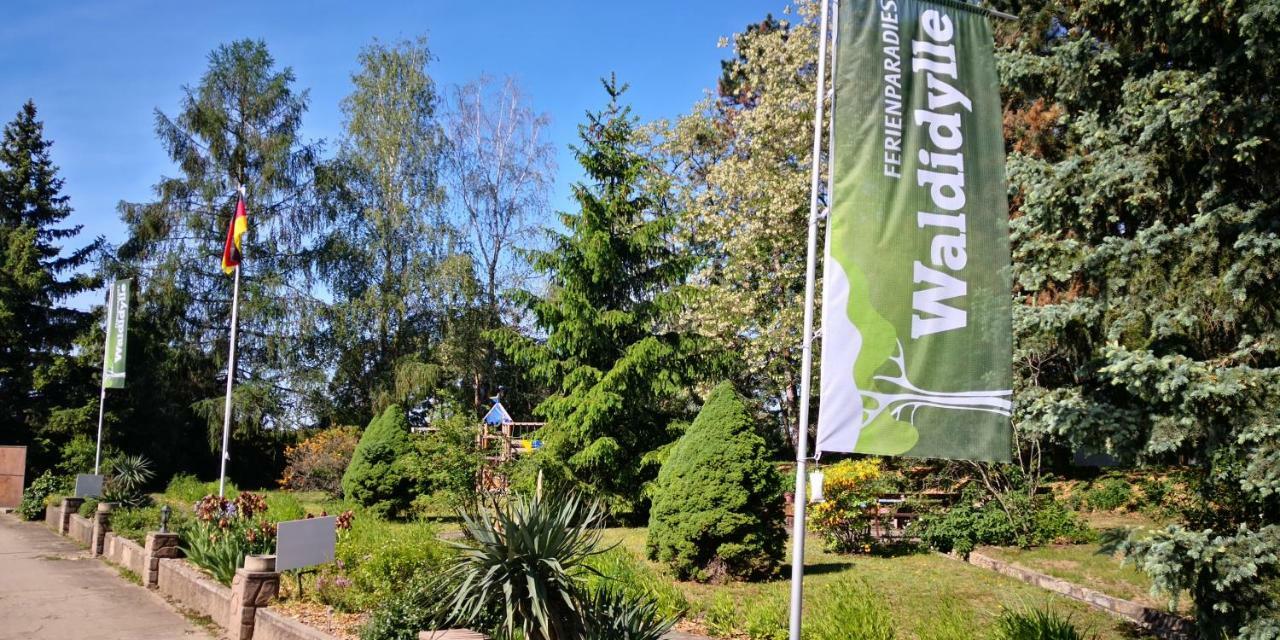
165,512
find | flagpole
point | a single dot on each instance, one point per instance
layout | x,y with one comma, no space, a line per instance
102,400
231,376
806,365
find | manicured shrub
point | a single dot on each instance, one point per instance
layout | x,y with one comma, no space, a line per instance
41,489
845,516
318,462
717,509
377,477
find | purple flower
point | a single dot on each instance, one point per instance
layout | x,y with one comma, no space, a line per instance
231,509
341,582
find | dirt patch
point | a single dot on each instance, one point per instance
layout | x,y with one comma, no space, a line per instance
340,625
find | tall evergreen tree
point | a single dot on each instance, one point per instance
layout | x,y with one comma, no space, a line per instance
37,275
1144,144
239,126
618,371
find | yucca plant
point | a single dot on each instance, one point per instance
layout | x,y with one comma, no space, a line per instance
129,474
612,615
527,560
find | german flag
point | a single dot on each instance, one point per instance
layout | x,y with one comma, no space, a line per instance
231,251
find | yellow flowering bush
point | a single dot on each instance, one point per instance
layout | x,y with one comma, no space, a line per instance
849,488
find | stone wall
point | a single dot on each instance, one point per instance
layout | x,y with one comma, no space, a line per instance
271,625
53,516
126,553
190,587
80,529
1163,624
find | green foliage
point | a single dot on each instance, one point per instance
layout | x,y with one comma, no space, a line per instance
850,610
34,496
389,257
88,508
612,614
1145,140
377,477
979,519
416,605
617,368
717,504
380,558
136,522
185,489
740,165
948,620
283,506
444,465
618,570
1109,494
1035,624
47,391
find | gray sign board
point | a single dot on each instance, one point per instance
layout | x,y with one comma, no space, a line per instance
305,543
88,485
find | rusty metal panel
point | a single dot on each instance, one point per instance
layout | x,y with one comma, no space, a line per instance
13,471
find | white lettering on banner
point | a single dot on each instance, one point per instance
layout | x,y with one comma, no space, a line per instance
891,88
941,172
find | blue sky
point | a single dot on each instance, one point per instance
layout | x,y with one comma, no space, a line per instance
98,70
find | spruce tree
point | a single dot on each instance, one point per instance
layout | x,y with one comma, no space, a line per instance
617,369
1144,144
37,275
717,505
240,125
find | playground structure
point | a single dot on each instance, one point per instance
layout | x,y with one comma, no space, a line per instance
501,440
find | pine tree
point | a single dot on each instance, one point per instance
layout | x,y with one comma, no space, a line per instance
37,274
618,371
1144,145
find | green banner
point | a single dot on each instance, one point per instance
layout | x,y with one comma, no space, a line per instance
916,328
117,335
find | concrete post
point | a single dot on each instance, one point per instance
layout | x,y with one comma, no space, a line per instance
101,525
253,587
69,506
158,545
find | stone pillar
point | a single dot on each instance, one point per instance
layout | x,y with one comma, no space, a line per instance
159,545
101,525
254,586
69,506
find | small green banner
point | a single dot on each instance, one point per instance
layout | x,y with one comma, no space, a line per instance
117,335
916,327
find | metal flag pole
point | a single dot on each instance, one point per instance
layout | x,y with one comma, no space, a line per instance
806,370
231,374
102,400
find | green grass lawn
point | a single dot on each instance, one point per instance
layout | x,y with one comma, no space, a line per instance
924,593
1084,565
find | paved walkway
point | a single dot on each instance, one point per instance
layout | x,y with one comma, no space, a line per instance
50,589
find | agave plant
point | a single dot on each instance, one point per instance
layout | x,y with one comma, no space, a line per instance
611,615
527,560
129,474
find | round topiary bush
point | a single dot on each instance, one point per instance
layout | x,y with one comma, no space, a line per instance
377,478
717,505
